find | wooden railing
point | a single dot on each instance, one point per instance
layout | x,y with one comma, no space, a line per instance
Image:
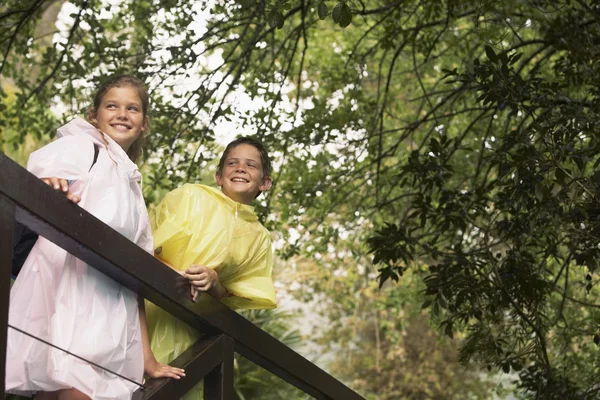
26,199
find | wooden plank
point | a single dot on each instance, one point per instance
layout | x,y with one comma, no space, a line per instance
218,384
198,361
7,229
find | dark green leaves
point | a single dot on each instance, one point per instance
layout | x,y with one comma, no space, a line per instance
275,19
322,10
342,14
491,54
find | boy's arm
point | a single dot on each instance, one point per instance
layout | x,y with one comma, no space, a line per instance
193,290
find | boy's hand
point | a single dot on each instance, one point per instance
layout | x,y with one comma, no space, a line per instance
63,186
204,279
201,277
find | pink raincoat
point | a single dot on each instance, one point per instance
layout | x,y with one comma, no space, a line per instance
64,301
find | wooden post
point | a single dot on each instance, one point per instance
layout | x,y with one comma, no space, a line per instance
218,384
7,231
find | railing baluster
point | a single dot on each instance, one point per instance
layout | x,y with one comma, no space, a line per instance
7,231
198,361
218,384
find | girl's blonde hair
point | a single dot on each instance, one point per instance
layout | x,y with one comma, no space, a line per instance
136,149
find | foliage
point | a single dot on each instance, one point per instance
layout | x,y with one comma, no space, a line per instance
456,135
256,383
383,346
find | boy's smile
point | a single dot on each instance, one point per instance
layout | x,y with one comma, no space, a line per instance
242,176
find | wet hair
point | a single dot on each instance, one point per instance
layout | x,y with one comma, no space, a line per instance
135,150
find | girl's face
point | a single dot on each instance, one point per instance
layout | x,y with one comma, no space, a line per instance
120,115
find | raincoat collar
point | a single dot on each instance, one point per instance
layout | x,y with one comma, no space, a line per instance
244,211
80,127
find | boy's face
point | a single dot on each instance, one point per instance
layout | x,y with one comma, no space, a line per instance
242,176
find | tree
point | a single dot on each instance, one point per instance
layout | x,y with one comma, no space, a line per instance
459,136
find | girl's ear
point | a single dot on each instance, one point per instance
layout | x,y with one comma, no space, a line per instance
145,125
92,116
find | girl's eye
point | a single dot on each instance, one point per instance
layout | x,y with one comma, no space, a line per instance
110,106
133,108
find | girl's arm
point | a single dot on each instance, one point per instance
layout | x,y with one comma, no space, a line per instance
153,368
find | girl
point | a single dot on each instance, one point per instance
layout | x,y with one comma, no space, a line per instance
66,302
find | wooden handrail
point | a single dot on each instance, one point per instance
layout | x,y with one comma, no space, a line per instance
75,230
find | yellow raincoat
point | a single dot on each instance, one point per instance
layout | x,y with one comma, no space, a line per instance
196,224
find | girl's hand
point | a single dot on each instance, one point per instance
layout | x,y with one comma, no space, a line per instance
63,186
154,369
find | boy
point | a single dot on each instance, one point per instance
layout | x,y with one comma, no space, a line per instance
243,173
215,239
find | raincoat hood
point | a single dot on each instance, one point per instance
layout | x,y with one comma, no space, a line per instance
79,127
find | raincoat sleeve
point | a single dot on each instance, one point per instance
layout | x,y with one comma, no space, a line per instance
193,226
253,288
69,158
143,237
163,223
189,228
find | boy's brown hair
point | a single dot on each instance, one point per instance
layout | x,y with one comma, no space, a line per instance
265,160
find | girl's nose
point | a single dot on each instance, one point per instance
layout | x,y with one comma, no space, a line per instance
122,113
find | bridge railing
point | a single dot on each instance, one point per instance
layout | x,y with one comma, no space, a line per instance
27,200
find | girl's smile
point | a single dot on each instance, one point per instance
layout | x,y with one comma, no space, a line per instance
120,115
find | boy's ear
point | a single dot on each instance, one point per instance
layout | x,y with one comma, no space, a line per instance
219,178
266,184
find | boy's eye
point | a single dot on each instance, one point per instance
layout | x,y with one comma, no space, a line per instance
251,165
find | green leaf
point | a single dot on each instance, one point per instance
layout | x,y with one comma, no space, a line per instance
597,339
337,11
539,191
275,19
560,176
516,57
491,54
426,303
448,330
345,16
323,10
